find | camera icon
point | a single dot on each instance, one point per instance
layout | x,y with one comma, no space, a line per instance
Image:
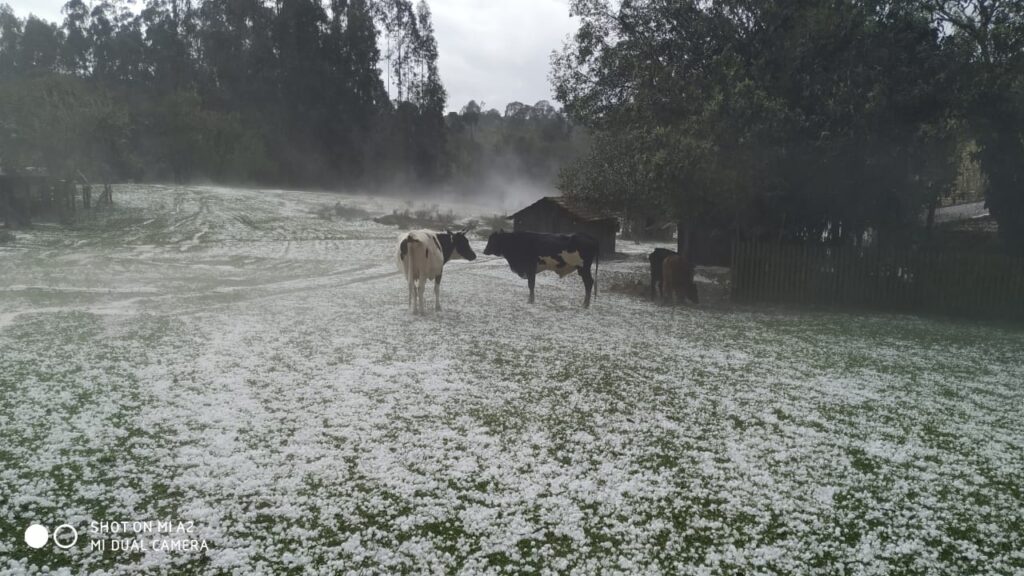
37,535
65,530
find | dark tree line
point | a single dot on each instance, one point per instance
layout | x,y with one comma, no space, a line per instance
839,121
292,91
526,143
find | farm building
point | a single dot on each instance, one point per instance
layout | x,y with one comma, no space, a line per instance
963,227
641,227
559,215
21,196
31,193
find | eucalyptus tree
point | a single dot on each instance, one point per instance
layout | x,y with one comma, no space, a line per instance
40,46
276,91
74,56
10,41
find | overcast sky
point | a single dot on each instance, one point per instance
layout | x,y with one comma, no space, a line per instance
492,51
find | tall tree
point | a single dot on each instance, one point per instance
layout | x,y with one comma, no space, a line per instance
40,45
75,51
988,38
782,119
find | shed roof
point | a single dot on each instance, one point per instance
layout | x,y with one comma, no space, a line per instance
961,212
578,209
27,173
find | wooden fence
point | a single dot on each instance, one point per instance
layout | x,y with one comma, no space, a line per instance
24,197
967,284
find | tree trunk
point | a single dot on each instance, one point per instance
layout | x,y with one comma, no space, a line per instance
683,238
931,219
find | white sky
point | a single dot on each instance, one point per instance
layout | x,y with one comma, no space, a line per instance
494,51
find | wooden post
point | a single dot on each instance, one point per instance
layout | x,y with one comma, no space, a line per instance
734,273
5,202
762,267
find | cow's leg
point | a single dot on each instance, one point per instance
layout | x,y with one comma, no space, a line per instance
412,294
419,295
666,289
531,281
588,282
655,279
437,293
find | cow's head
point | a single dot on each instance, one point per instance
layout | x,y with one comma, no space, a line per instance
462,247
495,244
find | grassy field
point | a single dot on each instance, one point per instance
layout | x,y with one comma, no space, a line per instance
227,358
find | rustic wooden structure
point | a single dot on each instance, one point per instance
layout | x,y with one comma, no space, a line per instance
648,228
25,196
559,215
988,285
106,197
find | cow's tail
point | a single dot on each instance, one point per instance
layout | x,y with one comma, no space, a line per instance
410,267
597,266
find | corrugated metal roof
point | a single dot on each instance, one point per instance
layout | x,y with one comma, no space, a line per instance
579,210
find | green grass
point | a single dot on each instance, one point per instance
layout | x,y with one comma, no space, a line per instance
267,383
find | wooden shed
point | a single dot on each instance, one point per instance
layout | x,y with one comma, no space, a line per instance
559,215
30,193
21,196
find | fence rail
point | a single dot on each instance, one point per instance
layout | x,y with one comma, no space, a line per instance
980,285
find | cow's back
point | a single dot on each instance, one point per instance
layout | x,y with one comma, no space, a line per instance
657,259
677,278
586,245
671,272
419,253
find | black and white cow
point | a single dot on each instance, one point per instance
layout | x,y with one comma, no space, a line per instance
528,253
422,255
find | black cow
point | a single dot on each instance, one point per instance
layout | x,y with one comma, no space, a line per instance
528,253
657,260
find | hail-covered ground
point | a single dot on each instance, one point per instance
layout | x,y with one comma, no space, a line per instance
227,360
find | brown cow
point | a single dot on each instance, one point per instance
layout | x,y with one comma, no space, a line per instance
677,280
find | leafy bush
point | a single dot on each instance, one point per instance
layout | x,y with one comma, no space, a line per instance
485,225
496,222
342,211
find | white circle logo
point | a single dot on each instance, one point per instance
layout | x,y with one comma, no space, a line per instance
36,536
65,528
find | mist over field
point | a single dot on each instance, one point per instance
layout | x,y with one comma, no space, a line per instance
498,193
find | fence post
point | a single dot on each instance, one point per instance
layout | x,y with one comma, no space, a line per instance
759,265
735,271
